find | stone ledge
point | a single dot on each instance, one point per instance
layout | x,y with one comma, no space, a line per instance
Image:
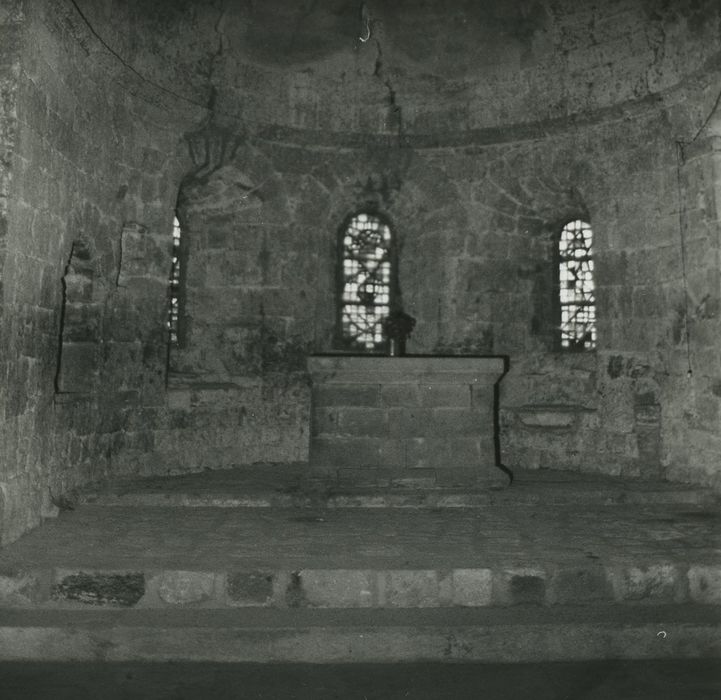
408,370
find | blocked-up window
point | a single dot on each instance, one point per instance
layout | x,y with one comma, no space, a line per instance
366,281
174,296
576,286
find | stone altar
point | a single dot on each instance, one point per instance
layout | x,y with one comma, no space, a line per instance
415,420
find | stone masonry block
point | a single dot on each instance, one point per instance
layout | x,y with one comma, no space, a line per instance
447,422
407,395
705,584
527,589
77,367
440,453
338,588
464,451
550,417
525,585
426,453
392,454
142,256
576,586
362,421
482,397
184,587
409,422
21,589
347,452
438,395
96,588
179,399
324,421
408,589
472,587
249,588
347,395
657,583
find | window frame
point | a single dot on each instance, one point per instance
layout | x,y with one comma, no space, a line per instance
341,341
577,347
179,253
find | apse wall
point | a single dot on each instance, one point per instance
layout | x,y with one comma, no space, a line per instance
109,133
80,342
477,225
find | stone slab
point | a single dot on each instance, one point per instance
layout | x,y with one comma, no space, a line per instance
354,636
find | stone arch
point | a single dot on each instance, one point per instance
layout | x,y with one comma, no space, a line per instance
235,214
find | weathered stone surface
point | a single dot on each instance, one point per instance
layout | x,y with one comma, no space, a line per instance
184,587
472,587
124,590
654,583
21,589
250,589
338,588
579,586
404,589
557,417
705,584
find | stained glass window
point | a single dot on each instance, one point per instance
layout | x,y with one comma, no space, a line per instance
366,284
174,309
576,287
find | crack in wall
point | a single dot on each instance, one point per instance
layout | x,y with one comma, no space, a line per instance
210,150
61,329
396,110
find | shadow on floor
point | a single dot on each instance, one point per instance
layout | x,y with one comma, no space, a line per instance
597,680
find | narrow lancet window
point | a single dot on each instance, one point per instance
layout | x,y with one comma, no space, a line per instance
174,304
365,278
576,287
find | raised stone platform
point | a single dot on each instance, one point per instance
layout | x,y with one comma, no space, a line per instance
559,566
427,421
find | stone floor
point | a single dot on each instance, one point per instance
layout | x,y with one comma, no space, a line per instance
506,535
598,680
256,565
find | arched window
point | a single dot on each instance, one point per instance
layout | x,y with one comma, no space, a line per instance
576,287
174,295
366,281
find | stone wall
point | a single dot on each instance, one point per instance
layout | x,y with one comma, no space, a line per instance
115,120
11,26
477,227
690,389
475,66
78,350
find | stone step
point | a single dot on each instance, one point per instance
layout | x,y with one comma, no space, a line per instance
381,557
77,587
288,487
527,634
